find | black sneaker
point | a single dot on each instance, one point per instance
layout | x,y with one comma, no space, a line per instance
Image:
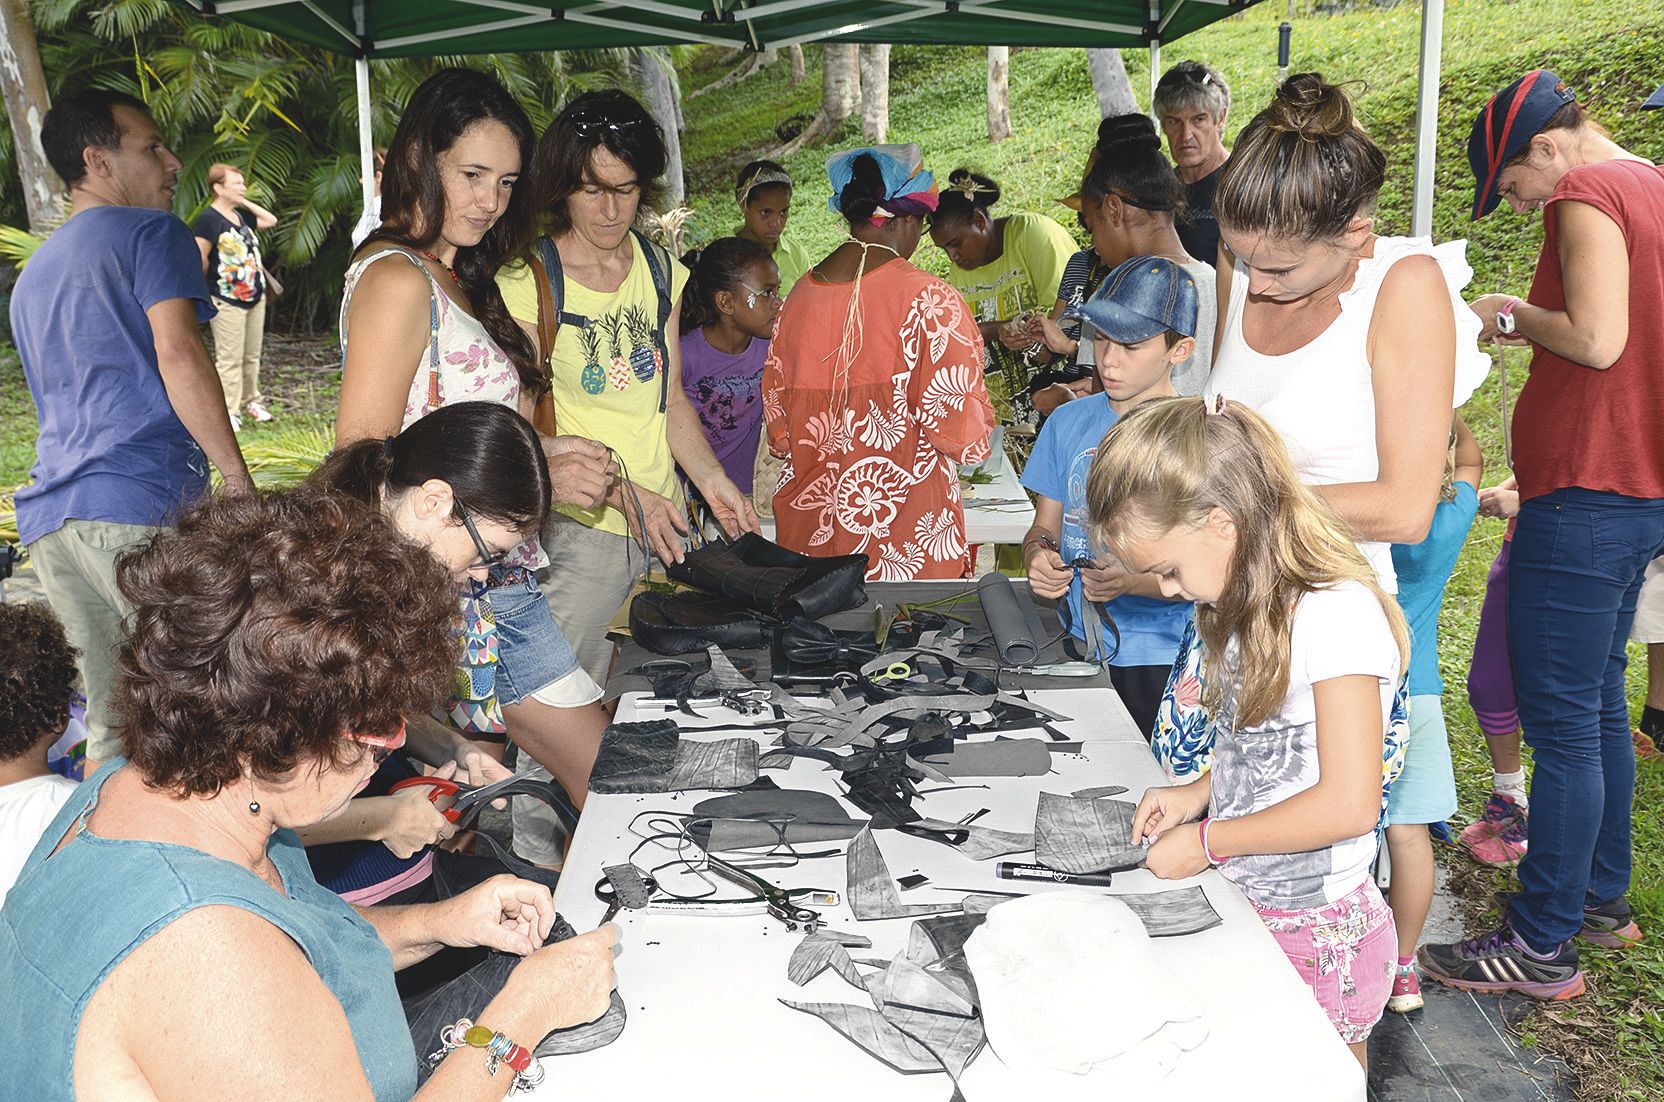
1610,925
1499,962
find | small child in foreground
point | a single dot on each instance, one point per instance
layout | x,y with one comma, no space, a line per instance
37,681
1304,652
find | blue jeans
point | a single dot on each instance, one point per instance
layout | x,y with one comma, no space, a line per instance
533,653
1573,575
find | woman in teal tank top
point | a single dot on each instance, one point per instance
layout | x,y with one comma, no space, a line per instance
166,939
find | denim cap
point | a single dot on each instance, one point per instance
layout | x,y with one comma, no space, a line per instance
1506,126
1140,299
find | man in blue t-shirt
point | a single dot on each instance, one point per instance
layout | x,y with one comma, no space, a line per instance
105,317
1142,320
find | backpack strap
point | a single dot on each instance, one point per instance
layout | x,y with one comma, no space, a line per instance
550,256
658,261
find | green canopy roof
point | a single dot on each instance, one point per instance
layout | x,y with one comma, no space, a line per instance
417,28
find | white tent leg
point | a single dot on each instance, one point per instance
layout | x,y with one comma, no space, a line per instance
1155,75
366,140
1427,117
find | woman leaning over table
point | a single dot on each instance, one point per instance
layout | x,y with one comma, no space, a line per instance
166,939
1589,460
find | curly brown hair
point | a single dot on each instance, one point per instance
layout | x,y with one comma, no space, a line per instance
265,628
37,678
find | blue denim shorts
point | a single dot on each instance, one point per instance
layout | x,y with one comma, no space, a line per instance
532,654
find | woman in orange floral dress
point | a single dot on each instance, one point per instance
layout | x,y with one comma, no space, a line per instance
873,391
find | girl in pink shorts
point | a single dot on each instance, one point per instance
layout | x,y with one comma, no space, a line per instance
1301,657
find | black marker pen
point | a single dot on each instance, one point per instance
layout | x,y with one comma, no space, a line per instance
1017,870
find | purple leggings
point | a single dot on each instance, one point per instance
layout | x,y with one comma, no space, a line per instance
1491,673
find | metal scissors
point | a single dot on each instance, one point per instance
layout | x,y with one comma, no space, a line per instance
782,904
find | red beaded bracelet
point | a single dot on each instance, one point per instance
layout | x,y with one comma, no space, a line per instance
499,1050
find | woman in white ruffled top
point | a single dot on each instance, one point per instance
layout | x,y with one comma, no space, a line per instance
1355,347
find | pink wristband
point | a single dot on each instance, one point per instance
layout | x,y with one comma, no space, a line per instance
1207,851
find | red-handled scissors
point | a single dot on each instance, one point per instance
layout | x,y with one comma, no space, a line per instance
441,789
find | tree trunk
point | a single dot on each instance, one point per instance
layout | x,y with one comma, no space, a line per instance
752,64
656,79
840,95
23,82
795,53
875,93
999,93
1109,81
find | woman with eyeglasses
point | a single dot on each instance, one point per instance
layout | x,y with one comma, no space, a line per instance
728,314
615,361
423,326
469,483
262,679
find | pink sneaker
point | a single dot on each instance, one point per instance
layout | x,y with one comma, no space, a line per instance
1406,991
1504,849
1499,811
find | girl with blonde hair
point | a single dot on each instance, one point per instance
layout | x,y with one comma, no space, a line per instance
1303,650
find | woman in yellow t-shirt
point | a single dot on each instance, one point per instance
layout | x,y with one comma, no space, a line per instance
615,372
764,193
1006,268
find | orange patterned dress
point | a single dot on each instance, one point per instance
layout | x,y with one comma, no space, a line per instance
873,412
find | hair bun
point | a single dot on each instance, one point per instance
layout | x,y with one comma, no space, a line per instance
978,190
1134,130
1311,107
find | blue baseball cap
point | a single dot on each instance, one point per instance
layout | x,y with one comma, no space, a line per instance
1514,116
1654,101
1141,298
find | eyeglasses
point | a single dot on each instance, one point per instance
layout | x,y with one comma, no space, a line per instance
755,293
381,746
487,559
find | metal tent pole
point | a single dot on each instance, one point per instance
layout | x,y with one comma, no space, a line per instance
1155,76
1427,118
366,140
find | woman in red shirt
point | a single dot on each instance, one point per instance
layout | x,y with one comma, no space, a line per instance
872,391
1589,457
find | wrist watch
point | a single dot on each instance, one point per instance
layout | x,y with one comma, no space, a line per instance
1505,318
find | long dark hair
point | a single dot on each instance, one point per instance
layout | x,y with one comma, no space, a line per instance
608,119
717,267
488,453
1128,162
441,109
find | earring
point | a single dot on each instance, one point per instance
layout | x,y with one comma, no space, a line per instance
253,807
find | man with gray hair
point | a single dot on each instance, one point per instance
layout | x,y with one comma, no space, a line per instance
1191,103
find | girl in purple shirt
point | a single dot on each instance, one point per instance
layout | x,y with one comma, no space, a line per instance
727,320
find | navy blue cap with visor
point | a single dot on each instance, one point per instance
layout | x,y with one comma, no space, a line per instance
1654,101
1141,298
1506,126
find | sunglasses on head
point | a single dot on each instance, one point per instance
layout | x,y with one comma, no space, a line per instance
587,123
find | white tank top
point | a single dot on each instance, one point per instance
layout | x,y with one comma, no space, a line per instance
1321,397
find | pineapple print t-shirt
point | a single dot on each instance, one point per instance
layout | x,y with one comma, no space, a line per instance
607,375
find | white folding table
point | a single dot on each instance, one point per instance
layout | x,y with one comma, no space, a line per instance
705,1023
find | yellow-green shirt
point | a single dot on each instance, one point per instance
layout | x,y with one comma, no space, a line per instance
606,376
1026,274
791,258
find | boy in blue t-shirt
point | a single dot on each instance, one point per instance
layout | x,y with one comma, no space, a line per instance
1142,320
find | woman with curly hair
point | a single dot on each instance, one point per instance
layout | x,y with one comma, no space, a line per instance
35,689
261,682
